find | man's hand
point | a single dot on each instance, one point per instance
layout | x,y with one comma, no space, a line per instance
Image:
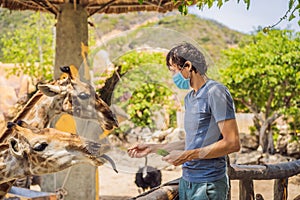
176,157
140,150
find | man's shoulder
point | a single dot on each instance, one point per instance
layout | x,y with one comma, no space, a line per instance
215,86
212,84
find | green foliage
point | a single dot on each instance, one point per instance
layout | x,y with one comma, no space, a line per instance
144,87
135,59
162,152
147,99
293,120
30,47
138,67
263,73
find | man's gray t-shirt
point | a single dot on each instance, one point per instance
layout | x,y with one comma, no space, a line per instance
211,104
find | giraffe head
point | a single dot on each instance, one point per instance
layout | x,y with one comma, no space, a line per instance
79,99
48,150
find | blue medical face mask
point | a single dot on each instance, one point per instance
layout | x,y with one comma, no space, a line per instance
181,82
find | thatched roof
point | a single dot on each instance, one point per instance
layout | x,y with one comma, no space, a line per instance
92,6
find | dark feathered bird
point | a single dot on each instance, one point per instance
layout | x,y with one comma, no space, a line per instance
147,177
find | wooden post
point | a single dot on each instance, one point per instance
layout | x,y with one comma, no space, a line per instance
71,37
281,189
246,189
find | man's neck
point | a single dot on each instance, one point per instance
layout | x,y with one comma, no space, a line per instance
197,81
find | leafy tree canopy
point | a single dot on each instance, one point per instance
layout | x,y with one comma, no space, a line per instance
30,46
265,67
263,75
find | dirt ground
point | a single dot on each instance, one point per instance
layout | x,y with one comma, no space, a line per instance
121,186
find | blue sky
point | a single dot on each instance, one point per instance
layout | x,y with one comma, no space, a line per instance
261,13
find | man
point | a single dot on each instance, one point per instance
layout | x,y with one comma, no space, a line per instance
210,126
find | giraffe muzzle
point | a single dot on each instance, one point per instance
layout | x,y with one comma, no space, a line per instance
97,151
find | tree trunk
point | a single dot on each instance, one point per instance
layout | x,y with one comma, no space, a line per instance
271,148
266,141
71,48
71,36
263,139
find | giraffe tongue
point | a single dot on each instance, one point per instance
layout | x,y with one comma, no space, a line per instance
106,157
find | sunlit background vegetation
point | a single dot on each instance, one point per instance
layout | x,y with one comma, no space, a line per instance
261,70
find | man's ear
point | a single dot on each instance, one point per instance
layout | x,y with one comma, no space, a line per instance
49,90
189,65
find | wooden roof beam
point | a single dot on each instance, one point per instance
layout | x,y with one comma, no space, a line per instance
53,7
31,6
41,4
102,7
153,4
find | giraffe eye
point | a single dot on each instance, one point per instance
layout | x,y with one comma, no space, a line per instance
83,96
40,147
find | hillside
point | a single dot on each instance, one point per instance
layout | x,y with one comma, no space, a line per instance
118,34
210,35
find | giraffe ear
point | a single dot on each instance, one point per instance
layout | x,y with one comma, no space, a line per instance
15,148
49,90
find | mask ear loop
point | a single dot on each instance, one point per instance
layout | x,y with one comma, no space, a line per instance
205,78
190,74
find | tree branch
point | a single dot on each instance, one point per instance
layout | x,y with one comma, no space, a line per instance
252,109
269,102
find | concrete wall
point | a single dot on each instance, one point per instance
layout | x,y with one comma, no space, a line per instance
244,121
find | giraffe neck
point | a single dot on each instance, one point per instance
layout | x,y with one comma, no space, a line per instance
11,167
36,112
7,172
